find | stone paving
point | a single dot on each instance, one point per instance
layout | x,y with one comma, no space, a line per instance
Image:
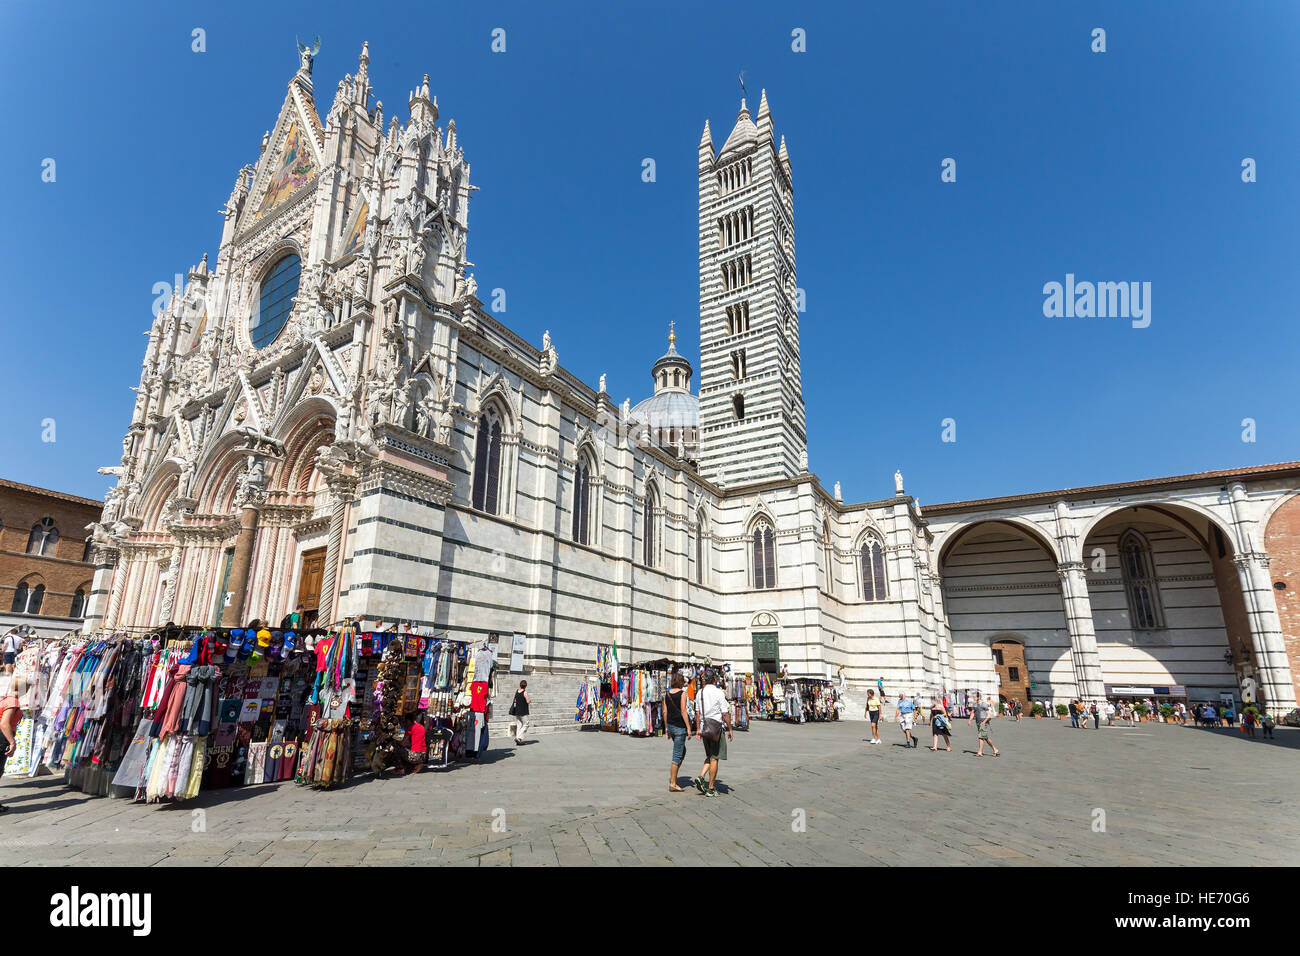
1170,796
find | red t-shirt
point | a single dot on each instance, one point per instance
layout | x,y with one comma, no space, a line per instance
322,652
417,737
478,692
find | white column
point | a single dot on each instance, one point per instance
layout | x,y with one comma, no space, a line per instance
1083,638
1268,647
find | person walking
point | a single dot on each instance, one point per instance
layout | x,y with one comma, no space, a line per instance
10,714
873,714
13,643
939,727
714,720
1096,715
1266,724
519,712
1074,715
982,715
1109,709
677,723
906,719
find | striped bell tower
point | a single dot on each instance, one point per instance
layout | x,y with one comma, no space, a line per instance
751,391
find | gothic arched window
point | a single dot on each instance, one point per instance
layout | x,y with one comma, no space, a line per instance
871,561
43,538
1140,587
27,600
487,465
582,501
650,517
764,555
79,603
275,301
85,551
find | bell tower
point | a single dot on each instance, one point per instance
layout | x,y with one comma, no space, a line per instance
751,389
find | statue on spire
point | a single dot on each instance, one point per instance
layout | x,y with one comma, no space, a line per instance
307,54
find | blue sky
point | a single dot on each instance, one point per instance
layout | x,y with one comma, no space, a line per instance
924,298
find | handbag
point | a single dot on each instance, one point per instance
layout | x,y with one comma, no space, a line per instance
712,731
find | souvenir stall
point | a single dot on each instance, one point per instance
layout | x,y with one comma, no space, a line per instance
587,702
35,667
607,705
738,688
762,696
810,699
428,697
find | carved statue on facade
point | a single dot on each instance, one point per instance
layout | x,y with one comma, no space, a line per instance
445,425
415,258
898,482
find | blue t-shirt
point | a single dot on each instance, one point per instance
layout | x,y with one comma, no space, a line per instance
906,707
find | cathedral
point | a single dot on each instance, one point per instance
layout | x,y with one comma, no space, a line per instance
329,418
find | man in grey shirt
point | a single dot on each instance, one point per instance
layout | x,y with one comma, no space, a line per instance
981,715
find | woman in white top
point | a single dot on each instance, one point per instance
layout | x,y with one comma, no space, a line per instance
714,721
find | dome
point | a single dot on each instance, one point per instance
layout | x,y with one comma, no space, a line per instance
670,418
669,409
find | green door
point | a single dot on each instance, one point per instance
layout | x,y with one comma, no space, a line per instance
767,654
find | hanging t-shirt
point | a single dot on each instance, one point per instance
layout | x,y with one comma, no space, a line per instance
323,652
478,694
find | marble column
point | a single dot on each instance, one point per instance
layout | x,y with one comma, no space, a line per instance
238,586
1268,648
1083,638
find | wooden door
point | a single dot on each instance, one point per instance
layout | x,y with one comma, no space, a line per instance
309,583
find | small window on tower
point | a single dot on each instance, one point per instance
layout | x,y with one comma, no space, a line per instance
738,406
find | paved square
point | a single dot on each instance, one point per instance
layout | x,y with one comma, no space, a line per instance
1170,795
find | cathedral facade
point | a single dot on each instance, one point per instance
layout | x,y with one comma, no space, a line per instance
328,417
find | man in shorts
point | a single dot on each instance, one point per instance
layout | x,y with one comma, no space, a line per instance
873,714
982,715
906,719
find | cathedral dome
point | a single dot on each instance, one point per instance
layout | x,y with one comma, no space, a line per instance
671,416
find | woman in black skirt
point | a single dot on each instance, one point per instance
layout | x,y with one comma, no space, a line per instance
939,726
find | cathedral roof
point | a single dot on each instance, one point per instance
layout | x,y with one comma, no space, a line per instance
669,409
672,405
743,134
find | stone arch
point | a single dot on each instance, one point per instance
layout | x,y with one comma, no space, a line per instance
165,485
1172,609
867,524
1169,508
496,394
759,511
311,428
1034,530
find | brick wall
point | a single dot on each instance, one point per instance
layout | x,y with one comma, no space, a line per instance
1282,542
62,571
1013,655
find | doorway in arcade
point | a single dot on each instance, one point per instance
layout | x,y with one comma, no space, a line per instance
309,585
767,652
